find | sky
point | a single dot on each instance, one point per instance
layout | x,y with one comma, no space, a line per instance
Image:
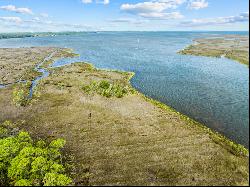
123,15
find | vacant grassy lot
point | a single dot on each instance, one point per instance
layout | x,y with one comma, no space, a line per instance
123,141
234,47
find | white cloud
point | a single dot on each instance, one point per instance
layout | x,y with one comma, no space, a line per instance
105,2
12,8
129,20
16,20
151,6
86,1
197,4
36,18
162,15
243,17
38,24
145,7
155,9
44,15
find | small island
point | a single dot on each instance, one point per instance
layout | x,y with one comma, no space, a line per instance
114,134
235,47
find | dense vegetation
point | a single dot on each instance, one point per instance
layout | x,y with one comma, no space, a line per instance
15,35
24,162
20,95
107,89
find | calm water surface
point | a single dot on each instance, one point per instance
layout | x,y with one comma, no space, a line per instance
210,90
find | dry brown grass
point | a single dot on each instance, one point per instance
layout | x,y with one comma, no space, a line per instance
234,47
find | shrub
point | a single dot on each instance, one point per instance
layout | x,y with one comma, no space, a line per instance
24,162
3,132
104,85
23,182
54,179
20,95
107,89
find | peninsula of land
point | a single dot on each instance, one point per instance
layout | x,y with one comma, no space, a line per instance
114,134
235,47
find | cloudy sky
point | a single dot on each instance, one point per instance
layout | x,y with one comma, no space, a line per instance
125,15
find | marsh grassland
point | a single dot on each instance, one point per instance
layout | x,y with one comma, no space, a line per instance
234,47
115,135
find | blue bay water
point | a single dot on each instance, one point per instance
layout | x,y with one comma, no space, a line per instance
213,91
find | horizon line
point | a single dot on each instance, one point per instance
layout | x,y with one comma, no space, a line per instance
127,31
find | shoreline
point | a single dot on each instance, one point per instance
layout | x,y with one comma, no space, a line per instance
230,145
232,47
235,148
124,140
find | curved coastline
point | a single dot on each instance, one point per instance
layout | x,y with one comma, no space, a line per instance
220,48
158,145
230,145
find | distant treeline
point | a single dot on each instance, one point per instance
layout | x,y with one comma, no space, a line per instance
15,35
24,35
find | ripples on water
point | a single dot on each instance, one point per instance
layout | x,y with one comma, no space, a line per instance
211,90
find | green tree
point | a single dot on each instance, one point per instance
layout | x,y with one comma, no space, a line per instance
24,162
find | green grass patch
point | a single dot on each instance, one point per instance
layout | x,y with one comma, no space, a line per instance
106,89
20,94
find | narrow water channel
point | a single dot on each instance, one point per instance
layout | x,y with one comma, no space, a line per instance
45,73
38,68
